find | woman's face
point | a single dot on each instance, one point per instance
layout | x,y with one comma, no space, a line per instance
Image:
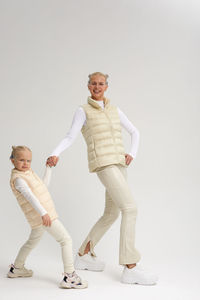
22,161
97,87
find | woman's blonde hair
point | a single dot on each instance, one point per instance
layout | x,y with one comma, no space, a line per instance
100,74
16,149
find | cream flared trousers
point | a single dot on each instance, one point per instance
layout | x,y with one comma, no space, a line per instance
118,199
59,233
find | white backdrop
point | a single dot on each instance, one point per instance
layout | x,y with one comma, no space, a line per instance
150,49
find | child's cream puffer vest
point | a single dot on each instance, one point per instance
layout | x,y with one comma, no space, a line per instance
40,190
102,133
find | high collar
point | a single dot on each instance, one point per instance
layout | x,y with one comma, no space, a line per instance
21,172
95,104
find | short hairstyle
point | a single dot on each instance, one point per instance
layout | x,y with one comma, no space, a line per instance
100,74
16,149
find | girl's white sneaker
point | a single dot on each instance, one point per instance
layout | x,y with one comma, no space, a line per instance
19,272
88,262
137,275
73,281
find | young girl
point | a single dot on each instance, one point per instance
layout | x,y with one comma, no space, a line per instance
36,203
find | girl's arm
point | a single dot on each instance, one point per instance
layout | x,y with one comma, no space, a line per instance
23,188
128,126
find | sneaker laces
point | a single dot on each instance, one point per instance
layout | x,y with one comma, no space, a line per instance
91,256
72,275
11,266
22,268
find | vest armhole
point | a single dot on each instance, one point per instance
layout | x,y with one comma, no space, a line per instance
84,107
85,111
13,183
15,180
22,179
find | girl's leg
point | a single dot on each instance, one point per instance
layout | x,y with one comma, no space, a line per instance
34,238
111,213
114,180
58,231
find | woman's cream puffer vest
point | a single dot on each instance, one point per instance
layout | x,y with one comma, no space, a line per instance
102,133
40,190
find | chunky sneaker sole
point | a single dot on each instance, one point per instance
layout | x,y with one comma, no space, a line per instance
87,262
138,276
12,275
132,281
68,285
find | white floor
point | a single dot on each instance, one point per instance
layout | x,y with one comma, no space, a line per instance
180,283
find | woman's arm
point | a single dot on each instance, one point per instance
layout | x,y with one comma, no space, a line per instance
77,123
132,130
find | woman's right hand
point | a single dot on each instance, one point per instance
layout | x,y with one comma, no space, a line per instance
52,161
46,221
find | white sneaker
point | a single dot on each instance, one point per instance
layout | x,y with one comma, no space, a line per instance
19,272
88,262
72,280
137,275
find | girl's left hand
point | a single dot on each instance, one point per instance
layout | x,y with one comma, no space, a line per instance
128,159
46,221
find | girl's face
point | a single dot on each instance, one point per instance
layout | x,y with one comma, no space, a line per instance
97,87
22,161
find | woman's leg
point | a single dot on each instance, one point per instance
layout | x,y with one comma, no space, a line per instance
114,180
111,213
58,231
34,238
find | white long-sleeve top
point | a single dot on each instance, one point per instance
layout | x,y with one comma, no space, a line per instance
79,120
24,189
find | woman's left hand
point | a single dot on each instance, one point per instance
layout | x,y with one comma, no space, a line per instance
128,159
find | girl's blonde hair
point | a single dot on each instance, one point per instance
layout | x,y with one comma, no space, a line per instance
100,74
16,149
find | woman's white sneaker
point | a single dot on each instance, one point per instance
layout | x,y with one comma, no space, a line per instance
73,281
19,272
137,275
88,262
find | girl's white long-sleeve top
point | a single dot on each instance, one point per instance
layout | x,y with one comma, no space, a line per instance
24,189
79,120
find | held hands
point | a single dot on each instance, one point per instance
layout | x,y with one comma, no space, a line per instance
46,220
52,161
128,159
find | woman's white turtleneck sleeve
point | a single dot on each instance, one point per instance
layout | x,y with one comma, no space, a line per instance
77,123
79,120
132,130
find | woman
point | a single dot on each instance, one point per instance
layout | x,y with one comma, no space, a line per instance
100,123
